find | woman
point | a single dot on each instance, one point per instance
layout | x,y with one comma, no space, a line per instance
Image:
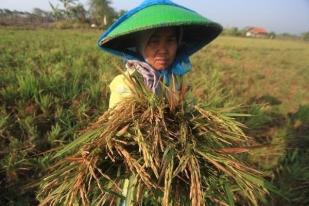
156,39
155,156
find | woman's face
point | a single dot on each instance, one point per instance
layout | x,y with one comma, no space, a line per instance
161,49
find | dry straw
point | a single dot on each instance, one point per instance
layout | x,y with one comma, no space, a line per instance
153,150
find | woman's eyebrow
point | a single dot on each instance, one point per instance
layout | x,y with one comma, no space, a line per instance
155,36
172,36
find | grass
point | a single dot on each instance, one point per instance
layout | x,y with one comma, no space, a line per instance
50,88
53,83
258,67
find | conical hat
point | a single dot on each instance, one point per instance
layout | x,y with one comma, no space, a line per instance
120,38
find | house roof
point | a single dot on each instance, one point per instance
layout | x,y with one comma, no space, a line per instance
257,30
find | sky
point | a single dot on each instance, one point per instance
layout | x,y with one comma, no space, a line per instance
291,16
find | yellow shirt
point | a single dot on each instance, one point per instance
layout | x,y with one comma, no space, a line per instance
120,89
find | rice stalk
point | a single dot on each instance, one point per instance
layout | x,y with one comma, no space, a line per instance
171,152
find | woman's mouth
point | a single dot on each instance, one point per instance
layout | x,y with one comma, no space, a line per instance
161,60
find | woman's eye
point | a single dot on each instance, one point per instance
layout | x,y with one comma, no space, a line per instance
153,41
172,40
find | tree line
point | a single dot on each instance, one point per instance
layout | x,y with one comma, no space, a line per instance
100,13
241,32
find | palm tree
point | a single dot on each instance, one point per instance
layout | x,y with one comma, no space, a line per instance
57,13
68,3
306,36
68,7
102,12
78,12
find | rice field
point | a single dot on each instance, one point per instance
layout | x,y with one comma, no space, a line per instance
53,83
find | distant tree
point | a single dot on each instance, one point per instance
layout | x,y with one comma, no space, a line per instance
57,13
79,12
102,12
6,16
40,15
72,10
287,35
272,35
234,31
24,18
121,12
68,3
39,12
8,12
68,7
305,36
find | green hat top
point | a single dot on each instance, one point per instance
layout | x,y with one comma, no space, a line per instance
120,38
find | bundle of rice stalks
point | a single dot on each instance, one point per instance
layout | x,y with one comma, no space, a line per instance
153,150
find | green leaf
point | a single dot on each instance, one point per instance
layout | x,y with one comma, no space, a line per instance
229,194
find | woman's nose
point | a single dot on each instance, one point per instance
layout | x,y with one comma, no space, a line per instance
163,46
